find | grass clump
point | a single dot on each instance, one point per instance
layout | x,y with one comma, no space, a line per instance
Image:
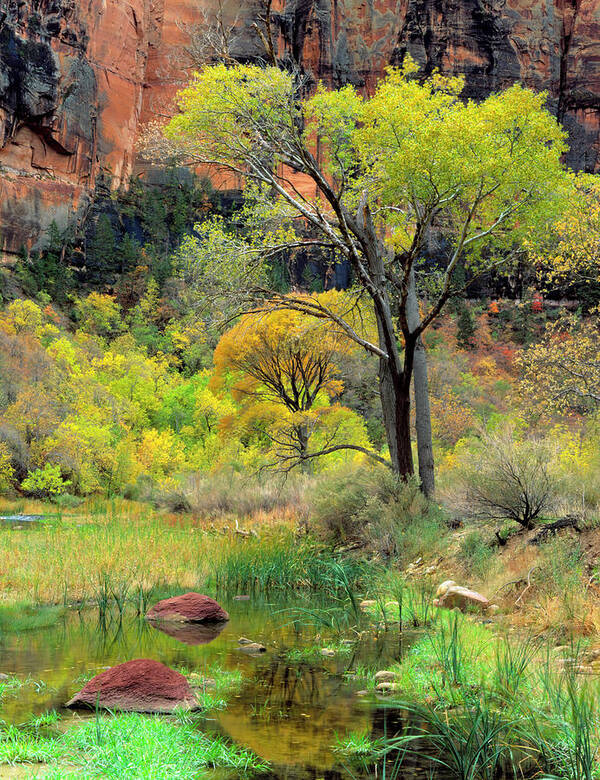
27,617
144,747
284,563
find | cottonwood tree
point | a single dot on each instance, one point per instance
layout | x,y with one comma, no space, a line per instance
279,360
373,179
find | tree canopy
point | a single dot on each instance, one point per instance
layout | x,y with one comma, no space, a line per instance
386,182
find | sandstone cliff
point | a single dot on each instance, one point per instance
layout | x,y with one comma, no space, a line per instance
79,77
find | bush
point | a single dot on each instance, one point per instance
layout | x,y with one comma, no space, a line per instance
369,508
508,479
7,473
45,483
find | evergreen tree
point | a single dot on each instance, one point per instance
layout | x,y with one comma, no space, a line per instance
466,329
101,260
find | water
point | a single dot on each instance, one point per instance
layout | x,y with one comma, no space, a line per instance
288,711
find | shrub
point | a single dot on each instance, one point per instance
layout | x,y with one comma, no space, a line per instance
367,507
7,473
509,479
45,483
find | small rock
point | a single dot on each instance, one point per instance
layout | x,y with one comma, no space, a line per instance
455,597
367,603
199,681
348,642
593,654
253,648
388,687
243,640
362,693
385,676
327,651
431,570
241,598
3,677
493,609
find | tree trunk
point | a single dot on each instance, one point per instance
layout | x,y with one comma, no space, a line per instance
302,436
421,390
395,405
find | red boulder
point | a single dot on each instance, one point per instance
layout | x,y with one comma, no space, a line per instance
189,608
137,686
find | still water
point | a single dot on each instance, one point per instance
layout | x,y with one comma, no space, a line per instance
289,710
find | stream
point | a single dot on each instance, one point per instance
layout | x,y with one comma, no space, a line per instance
289,710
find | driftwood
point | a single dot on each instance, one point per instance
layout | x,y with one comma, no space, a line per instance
550,529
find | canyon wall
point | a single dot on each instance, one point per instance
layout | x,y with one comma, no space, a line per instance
79,78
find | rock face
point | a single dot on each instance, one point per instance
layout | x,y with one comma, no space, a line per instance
78,79
189,608
137,686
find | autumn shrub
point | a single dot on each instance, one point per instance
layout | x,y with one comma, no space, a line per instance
505,477
368,507
228,493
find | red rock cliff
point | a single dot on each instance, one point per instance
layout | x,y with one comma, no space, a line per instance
79,77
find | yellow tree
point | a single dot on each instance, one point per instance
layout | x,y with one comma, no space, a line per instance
561,373
570,252
286,365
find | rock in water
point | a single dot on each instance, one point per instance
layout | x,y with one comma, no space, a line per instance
189,608
253,648
141,685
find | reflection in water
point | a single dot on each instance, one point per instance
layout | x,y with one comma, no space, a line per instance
288,713
190,633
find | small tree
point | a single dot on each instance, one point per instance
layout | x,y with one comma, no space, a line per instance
279,357
508,479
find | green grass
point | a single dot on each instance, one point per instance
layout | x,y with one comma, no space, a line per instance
214,686
479,705
357,745
140,747
283,563
27,617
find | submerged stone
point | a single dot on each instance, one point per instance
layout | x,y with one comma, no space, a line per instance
141,685
188,608
252,648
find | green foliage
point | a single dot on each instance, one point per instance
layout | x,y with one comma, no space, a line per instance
374,508
476,552
46,482
255,566
7,472
47,271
